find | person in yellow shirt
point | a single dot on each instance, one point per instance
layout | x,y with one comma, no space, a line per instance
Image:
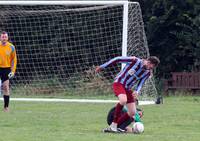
8,63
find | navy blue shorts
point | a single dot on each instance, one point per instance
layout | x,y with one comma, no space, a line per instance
4,74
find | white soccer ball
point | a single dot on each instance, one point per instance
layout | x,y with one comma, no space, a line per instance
138,127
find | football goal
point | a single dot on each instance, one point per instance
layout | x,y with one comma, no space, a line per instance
59,43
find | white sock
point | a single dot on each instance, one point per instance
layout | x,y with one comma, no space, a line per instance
113,126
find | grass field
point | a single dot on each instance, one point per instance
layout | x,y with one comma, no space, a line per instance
178,119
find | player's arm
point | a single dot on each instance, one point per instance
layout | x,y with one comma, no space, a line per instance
141,83
120,59
13,60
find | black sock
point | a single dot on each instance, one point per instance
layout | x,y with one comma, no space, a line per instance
6,100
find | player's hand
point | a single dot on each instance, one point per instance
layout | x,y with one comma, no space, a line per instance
98,69
11,75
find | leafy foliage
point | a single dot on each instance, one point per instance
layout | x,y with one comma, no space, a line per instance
173,31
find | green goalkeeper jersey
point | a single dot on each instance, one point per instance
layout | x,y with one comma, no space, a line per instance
136,116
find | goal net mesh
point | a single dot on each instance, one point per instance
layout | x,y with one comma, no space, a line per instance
58,47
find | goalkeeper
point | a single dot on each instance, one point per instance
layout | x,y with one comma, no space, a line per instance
8,63
124,127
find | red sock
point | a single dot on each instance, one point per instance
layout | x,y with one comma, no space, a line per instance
117,113
123,118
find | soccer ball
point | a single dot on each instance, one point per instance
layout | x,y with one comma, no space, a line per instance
138,127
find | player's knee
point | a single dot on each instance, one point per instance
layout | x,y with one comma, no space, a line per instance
6,88
123,100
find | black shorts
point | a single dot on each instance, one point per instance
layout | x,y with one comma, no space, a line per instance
4,74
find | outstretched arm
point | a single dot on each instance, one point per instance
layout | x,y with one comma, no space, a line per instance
120,59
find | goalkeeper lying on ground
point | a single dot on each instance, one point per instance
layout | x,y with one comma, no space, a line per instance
124,127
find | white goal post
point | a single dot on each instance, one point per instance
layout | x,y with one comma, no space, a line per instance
59,43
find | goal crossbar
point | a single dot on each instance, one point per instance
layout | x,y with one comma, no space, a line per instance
62,2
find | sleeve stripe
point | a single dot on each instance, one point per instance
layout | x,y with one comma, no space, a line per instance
13,48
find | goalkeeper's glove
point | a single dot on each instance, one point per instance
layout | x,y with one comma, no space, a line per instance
11,75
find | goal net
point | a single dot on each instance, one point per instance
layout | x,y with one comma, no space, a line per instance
59,44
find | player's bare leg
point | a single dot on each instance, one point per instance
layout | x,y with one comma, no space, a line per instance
131,109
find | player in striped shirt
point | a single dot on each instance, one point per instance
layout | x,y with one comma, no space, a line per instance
136,71
8,63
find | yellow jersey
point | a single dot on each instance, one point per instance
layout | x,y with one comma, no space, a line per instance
8,57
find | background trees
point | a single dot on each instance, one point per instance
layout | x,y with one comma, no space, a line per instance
173,33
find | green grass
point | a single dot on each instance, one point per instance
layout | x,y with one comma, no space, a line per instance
178,119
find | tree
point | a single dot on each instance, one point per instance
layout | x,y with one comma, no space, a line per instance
172,29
